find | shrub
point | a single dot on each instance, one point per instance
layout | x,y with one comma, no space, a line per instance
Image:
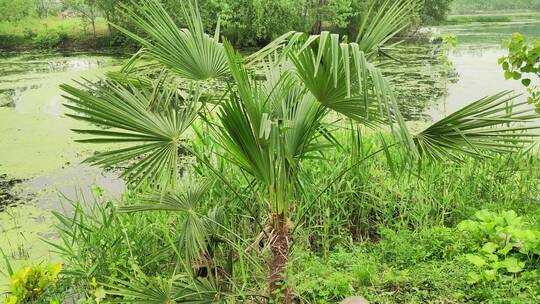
49,39
507,242
34,284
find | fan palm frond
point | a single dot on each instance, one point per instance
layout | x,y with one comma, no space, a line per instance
143,289
185,199
190,53
121,115
193,230
491,124
341,79
382,22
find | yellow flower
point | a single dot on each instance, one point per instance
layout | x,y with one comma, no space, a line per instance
93,283
56,269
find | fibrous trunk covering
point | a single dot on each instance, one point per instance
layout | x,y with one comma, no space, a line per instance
279,249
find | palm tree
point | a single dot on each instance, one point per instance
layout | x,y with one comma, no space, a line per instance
268,124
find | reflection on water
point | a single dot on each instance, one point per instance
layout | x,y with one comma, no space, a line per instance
476,61
418,77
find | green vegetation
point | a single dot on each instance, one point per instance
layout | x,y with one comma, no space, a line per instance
508,243
248,23
50,32
34,284
466,6
435,11
289,175
478,18
429,266
390,239
522,64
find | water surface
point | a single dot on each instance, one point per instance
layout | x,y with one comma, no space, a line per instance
38,156
37,144
476,62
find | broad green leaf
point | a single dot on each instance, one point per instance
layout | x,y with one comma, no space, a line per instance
489,247
473,278
476,260
513,265
489,274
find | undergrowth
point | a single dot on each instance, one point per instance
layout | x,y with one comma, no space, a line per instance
388,235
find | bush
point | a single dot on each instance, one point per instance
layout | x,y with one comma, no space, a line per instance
427,266
506,243
49,39
34,284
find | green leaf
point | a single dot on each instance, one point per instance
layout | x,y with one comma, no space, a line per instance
489,247
505,66
468,225
526,82
121,114
476,260
382,21
473,278
489,274
513,265
505,250
491,124
189,53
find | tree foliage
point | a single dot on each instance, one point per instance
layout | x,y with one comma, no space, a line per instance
435,11
521,63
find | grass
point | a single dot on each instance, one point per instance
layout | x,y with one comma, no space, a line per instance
74,27
31,32
478,18
387,235
407,267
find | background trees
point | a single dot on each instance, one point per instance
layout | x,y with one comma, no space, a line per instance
246,23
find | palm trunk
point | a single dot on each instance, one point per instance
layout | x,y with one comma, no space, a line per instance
279,250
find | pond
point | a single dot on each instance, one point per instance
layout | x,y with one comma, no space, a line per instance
475,61
37,144
39,159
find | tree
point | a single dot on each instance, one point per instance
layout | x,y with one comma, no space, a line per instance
521,63
268,126
435,11
43,7
107,7
16,9
88,9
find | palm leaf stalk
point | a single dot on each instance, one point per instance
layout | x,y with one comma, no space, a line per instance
267,126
